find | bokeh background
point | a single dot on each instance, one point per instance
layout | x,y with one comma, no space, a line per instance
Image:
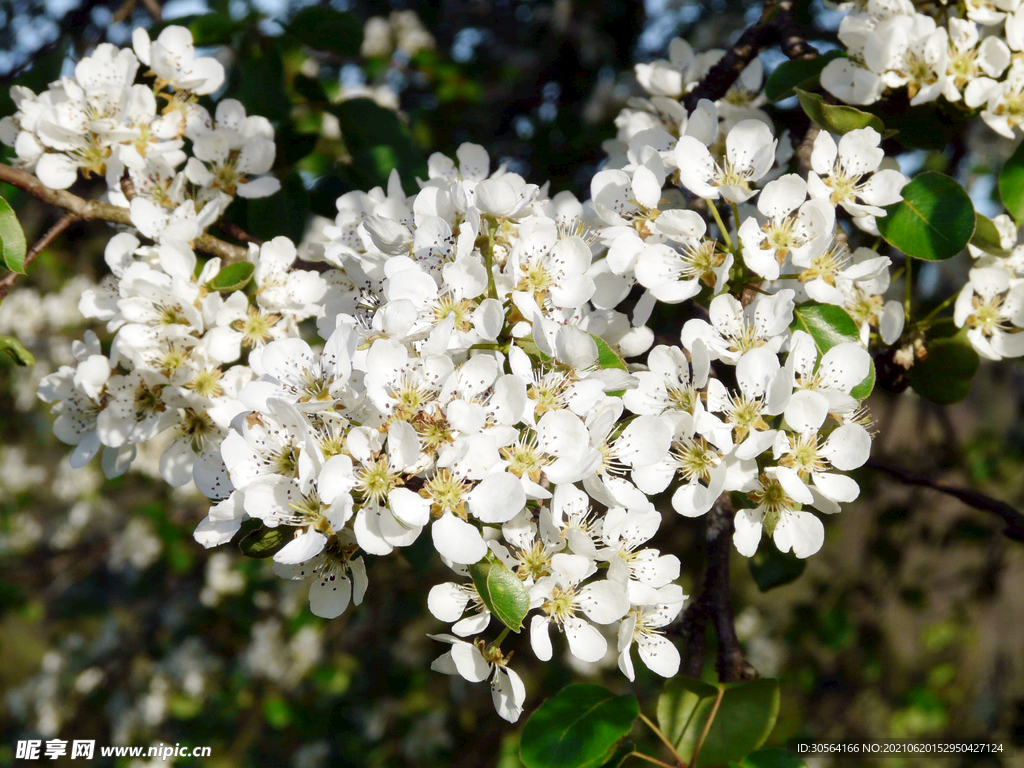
116,626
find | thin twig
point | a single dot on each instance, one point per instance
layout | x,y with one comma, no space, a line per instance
233,230
664,739
1012,518
48,237
96,210
649,759
154,10
707,725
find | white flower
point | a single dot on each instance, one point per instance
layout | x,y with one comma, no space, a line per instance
735,329
749,154
642,626
792,529
991,305
839,173
172,57
468,661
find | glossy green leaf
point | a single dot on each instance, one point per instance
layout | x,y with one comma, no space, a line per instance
258,80
1011,184
830,325
771,568
264,542
13,348
501,590
934,221
580,727
797,73
606,356
770,758
12,239
325,29
837,119
378,142
745,718
945,376
620,756
234,277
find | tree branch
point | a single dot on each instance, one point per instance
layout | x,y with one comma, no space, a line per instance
51,234
96,210
777,24
714,603
1010,516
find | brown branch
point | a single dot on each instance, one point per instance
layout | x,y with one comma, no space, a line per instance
777,24
233,230
714,604
48,237
96,210
1010,516
154,10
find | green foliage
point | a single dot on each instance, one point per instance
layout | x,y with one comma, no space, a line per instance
830,325
944,377
744,718
13,348
1011,184
986,236
770,758
233,277
12,239
934,221
325,29
606,356
501,590
837,119
771,568
378,142
797,73
264,542
580,727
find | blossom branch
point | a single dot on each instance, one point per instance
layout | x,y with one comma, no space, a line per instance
714,604
97,210
777,24
1013,519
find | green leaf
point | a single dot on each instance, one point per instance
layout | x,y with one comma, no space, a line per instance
258,80
620,755
501,590
678,704
17,352
944,377
234,277
580,727
606,356
745,718
325,29
770,758
12,239
771,568
838,119
797,73
934,221
265,542
830,325
378,142
1011,184
986,236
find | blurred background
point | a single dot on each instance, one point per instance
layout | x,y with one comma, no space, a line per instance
116,626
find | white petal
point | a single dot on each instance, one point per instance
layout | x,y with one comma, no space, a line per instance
457,540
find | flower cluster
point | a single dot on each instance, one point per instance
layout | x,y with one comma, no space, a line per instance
471,377
967,53
991,303
135,135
